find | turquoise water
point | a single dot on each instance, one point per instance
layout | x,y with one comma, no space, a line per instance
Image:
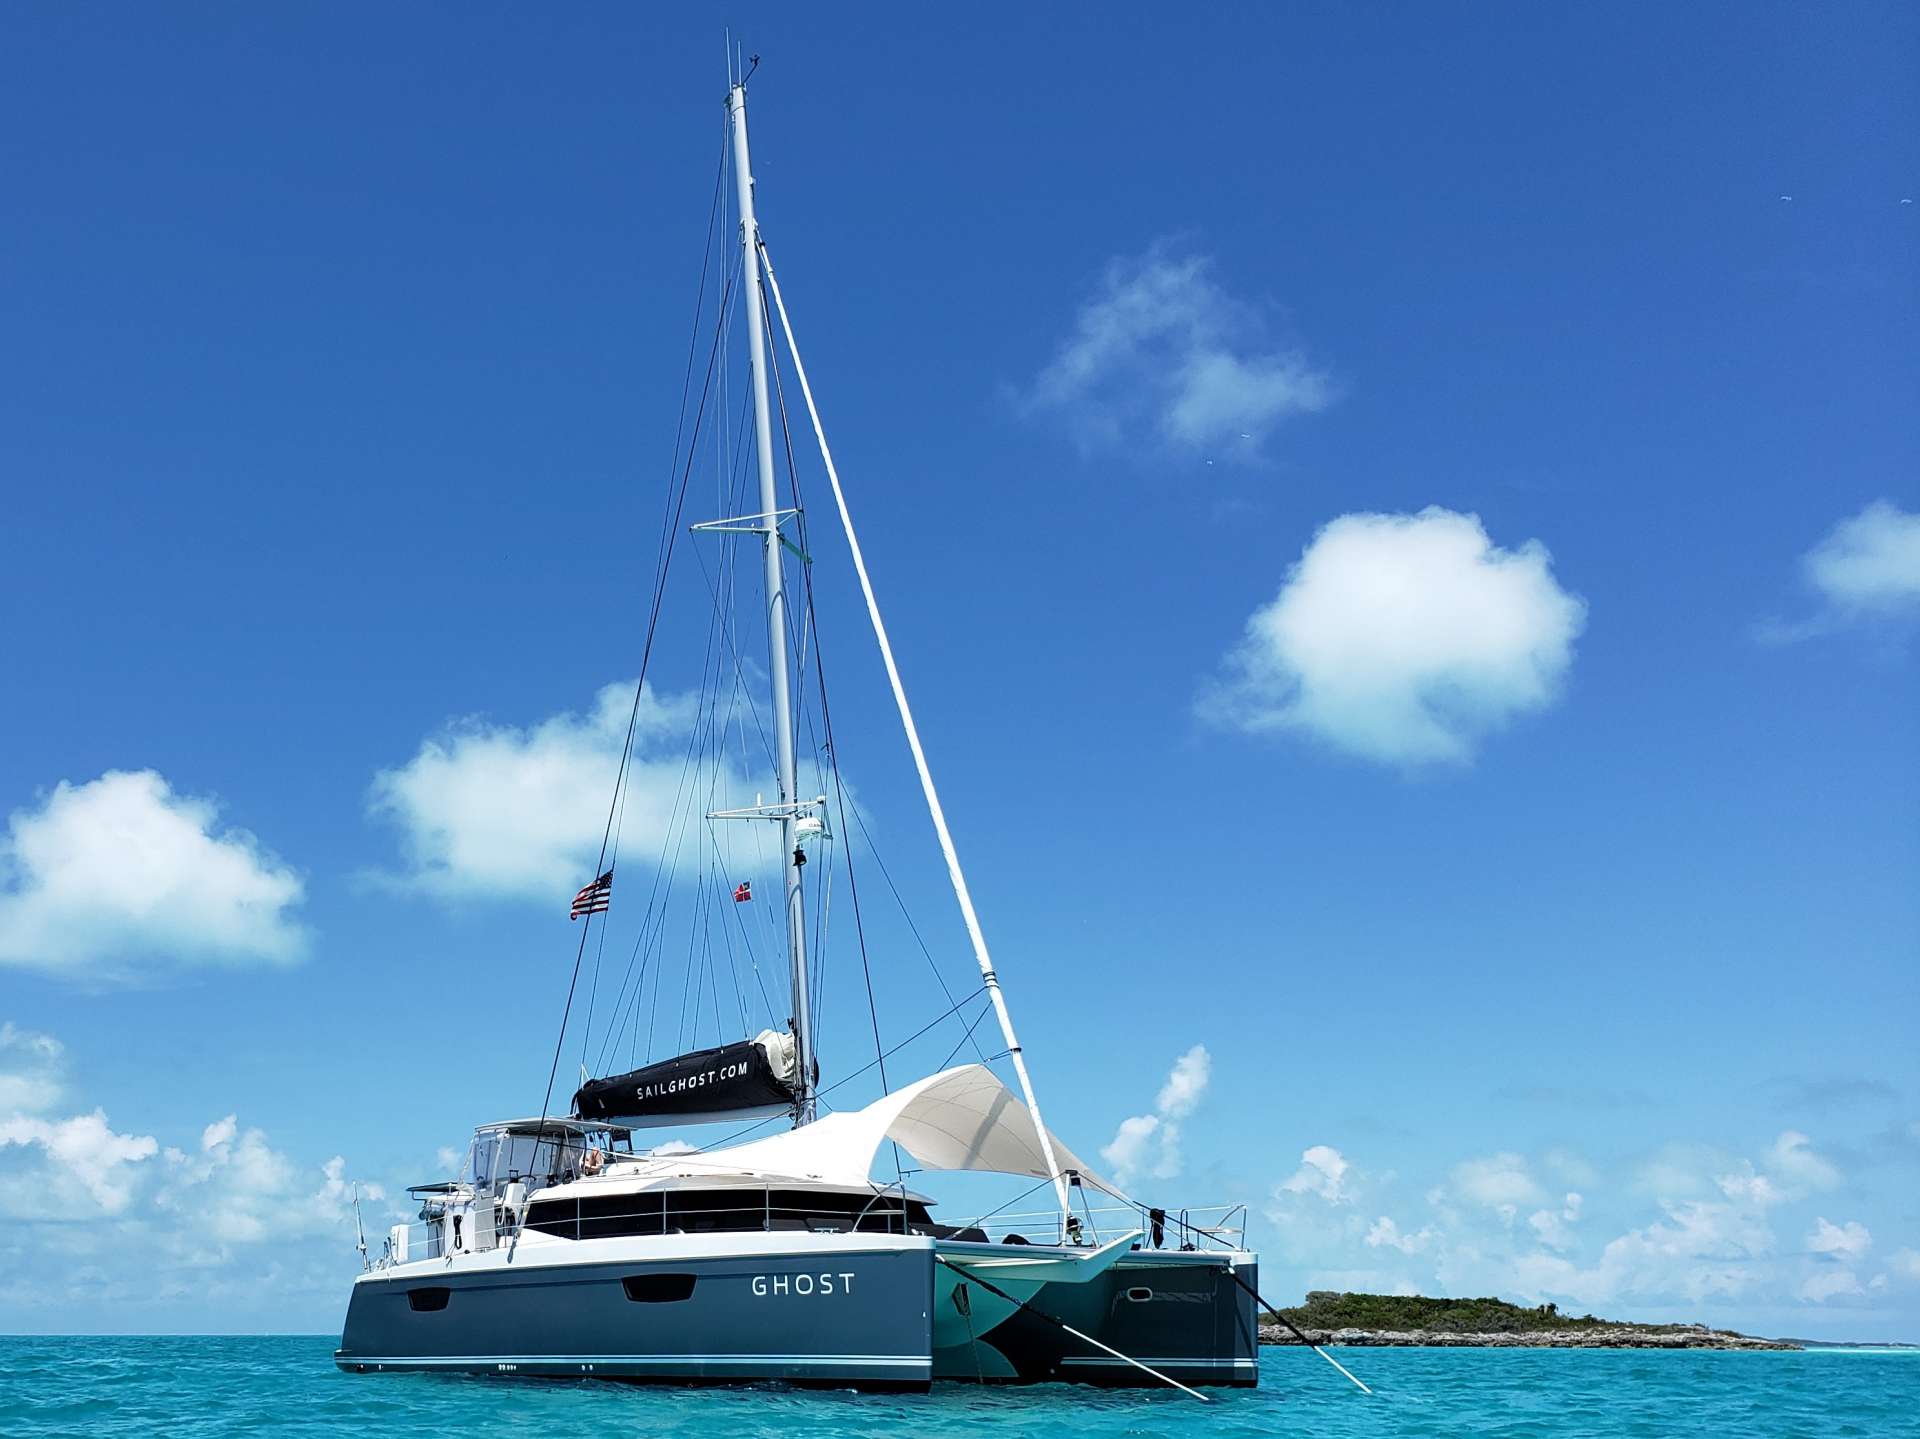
183,1388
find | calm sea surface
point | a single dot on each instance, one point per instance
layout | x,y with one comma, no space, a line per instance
184,1387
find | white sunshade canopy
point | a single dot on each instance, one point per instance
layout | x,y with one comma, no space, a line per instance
962,1118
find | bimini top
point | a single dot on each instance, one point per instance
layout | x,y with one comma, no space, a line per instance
552,1126
962,1118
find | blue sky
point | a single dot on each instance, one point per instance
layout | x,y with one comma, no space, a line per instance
1400,533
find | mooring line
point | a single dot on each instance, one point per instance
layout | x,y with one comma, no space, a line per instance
973,1278
1296,1330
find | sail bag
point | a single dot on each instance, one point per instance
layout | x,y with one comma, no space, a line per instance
751,1076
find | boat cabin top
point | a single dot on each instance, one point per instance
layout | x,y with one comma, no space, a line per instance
538,1153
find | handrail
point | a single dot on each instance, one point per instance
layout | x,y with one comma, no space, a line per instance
880,1194
428,1239
1181,1226
429,1235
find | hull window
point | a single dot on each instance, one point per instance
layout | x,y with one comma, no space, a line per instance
658,1288
1139,1296
426,1300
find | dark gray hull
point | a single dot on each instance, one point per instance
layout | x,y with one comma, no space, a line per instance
857,1317
1181,1313
844,1310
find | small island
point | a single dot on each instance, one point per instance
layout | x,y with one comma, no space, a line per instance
1394,1319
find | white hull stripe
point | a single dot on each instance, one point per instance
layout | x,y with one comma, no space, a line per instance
897,1360
1189,1362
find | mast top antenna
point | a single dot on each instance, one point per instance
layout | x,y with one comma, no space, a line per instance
738,73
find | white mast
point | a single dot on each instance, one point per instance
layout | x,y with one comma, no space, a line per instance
769,518
954,872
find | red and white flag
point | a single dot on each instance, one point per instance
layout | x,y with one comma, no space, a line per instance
743,891
594,898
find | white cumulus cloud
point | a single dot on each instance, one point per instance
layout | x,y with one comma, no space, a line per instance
1186,1082
1150,1143
1799,1166
1866,568
1385,1234
1747,1185
509,811
235,1188
96,1216
87,1168
1403,639
1160,347
1323,1171
1712,1251
1869,561
1130,1150
1790,1168
121,873
1497,1181
29,1070
1552,1226
1697,1251
1825,1284
1850,1240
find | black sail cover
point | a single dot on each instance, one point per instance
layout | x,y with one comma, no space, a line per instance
708,1082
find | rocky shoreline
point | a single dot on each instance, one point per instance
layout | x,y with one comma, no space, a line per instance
1690,1336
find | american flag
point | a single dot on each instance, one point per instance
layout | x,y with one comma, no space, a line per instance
593,898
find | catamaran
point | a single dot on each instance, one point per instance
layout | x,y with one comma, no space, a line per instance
565,1248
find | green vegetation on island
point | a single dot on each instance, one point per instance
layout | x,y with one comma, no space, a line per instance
1328,1317
1325,1309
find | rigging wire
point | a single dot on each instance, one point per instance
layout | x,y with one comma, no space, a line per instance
694,758
714,206
965,1039
905,913
669,536
704,752
826,714
940,1019
707,744
660,896
846,1078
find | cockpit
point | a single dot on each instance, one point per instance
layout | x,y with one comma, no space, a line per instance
538,1153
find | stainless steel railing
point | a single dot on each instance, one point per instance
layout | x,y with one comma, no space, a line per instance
1207,1227
1213,1226
434,1238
